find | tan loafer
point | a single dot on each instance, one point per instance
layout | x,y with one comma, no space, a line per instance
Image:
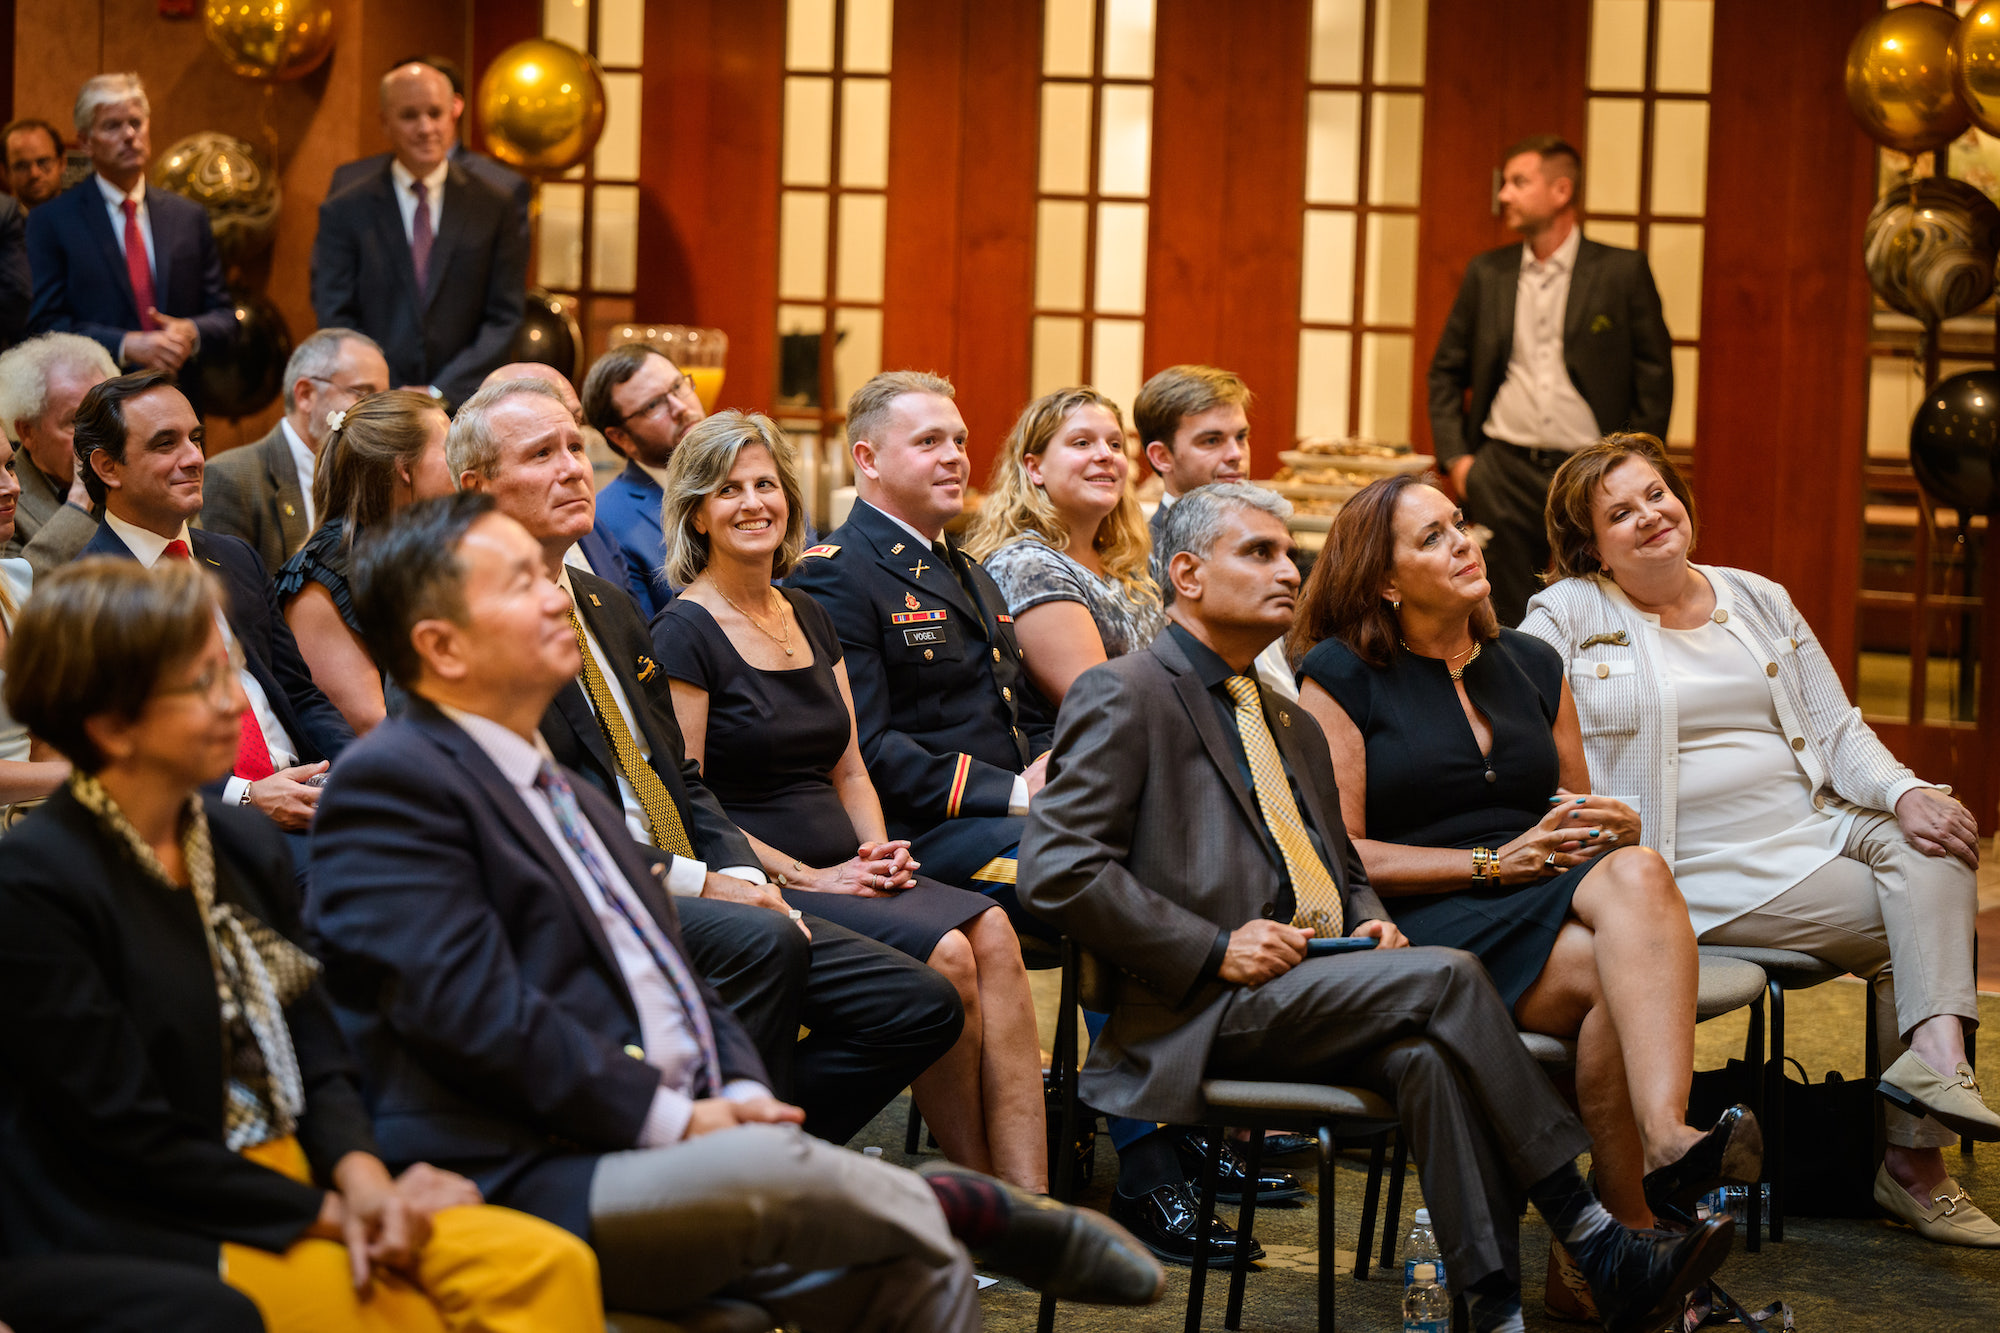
1953,1102
1951,1217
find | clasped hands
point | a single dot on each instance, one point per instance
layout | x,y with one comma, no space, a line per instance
876,870
163,348
386,1220
1262,950
1575,830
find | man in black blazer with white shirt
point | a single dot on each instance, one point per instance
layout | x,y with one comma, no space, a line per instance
421,255
877,1017
139,446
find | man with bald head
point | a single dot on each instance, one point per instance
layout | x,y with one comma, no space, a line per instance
422,255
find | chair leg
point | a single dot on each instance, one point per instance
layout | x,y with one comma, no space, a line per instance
1369,1199
1971,1049
913,1134
1753,1059
1327,1278
1774,1103
1062,1067
1392,1220
1246,1220
1204,1230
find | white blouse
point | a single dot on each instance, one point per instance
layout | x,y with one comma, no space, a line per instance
1748,828
13,736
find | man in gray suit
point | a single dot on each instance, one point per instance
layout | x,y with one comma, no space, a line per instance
41,382
1555,342
263,492
1190,837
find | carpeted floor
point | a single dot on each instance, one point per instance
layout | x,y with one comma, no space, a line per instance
1854,1274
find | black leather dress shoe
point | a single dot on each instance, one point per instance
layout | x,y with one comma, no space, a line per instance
1639,1278
1285,1145
1730,1154
1164,1221
1231,1171
1074,1254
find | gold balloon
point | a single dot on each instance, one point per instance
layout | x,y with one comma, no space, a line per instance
541,106
270,39
1898,82
1974,62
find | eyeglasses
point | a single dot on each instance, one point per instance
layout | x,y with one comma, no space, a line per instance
216,685
681,387
352,390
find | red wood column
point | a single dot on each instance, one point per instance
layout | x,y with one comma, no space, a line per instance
708,165
964,152
1226,244
1493,75
1781,418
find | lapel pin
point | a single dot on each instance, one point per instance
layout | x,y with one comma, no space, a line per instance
917,570
593,599
1284,719
897,549
1616,639
289,511
910,600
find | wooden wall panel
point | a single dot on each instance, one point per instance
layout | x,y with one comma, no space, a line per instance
495,25
1228,172
964,142
708,160
1785,306
1493,74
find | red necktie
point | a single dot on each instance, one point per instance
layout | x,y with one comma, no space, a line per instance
142,280
421,237
253,754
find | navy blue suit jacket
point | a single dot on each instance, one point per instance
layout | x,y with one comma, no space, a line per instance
81,283
628,511
518,188
472,976
316,727
16,289
460,327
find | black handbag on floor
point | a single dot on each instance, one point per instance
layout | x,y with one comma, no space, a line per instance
1830,1157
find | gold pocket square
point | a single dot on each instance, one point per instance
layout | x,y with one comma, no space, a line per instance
1600,324
647,666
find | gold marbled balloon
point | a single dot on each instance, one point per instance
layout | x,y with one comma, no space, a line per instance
1898,82
229,178
270,39
541,106
1974,62
1930,247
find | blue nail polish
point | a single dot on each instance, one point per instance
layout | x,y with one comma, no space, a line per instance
1595,832
1581,799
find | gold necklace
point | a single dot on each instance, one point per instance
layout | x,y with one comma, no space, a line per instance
785,643
1459,672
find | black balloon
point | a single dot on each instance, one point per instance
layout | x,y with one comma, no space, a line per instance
1955,442
243,378
549,334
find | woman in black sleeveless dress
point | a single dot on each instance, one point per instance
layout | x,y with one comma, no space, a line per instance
1463,783
762,698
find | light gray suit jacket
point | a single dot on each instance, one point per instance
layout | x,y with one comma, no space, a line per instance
1147,841
48,531
253,492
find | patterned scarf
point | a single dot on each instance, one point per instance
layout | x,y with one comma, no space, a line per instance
257,973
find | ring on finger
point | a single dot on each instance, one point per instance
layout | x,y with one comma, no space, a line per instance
1549,861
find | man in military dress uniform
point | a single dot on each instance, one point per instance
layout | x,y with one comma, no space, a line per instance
931,656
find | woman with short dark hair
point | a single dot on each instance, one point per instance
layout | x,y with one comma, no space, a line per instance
1703,693
172,1082
1463,783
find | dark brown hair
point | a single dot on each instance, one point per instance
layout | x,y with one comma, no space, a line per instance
1343,598
100,422
96,638
1573,491
1559,158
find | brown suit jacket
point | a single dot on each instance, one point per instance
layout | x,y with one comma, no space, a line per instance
47,530
253,492
1147,841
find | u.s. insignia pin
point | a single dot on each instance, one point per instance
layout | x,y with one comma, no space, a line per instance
910,600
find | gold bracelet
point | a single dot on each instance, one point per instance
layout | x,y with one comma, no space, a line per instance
1484,866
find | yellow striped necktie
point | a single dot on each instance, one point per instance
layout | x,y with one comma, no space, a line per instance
1316,895
662,816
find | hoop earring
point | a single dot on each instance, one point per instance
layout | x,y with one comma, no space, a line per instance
1395,606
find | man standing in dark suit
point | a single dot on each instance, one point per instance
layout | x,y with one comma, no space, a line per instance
1190,837
878,1018
643,404
423,256
515,982
263,492
519,190
41,383
139,444
135,269
937,676
16,288
1557,342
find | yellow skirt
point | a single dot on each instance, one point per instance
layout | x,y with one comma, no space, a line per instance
485,1270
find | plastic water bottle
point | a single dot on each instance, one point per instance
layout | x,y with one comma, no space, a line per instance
1421,1247
1426,1304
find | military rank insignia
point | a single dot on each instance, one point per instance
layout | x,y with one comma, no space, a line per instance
819,551
910,600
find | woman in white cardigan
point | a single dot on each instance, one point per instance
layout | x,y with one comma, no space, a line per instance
1707,703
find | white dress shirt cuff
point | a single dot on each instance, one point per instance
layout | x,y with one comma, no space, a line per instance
685,877
232,791
1017,802
666,1119
744,1089
753,874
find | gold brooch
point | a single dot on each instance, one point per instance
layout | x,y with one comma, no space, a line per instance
1616,640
